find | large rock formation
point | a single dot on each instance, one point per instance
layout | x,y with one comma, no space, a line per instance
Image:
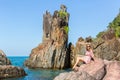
52,52
7,70
98,70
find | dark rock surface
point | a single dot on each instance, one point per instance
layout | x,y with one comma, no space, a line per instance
52,52
7,70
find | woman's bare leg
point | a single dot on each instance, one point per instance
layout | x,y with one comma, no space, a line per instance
77,61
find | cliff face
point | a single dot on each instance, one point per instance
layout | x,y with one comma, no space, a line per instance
52,52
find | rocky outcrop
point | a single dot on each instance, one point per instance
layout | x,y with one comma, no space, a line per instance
96,70
7,70
107,49
3,59
104,49
52,52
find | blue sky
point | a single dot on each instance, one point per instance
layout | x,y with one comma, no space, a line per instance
21,21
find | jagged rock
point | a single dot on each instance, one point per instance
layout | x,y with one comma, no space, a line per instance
110,34
3,59
88,39
7,70
81,75
53,51
107,49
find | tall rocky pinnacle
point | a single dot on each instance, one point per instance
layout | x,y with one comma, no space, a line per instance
52,52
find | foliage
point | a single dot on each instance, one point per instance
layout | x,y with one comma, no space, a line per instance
117,32
62,14
66,28
115,24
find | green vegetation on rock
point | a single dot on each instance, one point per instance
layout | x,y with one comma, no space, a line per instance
100,34
115,24
62,14
66,28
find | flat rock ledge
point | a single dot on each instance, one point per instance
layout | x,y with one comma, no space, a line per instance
9,71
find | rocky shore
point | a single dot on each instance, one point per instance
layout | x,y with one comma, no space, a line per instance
55,53
7,70
96,70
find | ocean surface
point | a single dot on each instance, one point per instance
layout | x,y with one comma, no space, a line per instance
34,74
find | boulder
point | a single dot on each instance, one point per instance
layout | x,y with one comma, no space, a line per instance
7,70
92,71
81,75
53,51
112,71
96,68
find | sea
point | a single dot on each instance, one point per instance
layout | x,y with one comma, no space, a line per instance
34,74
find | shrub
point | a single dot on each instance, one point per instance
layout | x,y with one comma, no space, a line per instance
62,14
66,28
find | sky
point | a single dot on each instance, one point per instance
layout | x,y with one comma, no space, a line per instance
21,21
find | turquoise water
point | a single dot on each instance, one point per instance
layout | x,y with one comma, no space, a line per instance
34,74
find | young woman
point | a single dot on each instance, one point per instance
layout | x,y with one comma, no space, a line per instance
87,58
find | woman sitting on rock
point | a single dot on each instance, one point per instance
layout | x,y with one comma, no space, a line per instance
88,56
